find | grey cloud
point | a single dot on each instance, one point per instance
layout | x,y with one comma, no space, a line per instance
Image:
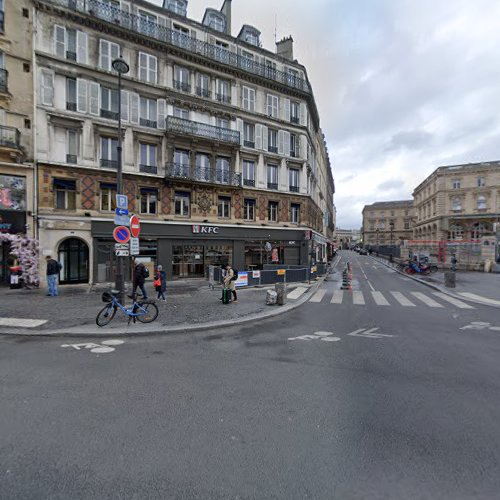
390,185
411,140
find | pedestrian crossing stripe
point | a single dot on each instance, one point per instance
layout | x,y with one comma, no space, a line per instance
428,301
402,299
379,299
318,296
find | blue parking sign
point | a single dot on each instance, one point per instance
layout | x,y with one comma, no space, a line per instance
122,201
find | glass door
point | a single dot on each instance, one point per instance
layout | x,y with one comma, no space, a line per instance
74,258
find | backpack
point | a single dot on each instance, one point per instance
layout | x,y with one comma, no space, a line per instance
146,272
235,276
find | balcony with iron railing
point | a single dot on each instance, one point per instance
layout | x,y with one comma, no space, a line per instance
202,174
105,163
203,130
225,98
10,137
294,119
148,123
182,86
202,92
106,113
272,149
148,169
249,144
294,189
71,106
4,77
272,185
249,182
73,159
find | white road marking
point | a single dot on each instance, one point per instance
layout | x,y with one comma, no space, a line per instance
426,300
402,299
451,300
325,336
370,285
379,299
480,325
357,298
113,342
295,294
338,296
479,298
78,347
22,323
318,296
103,348
368,333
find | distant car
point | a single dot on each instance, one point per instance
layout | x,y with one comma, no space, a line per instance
363,251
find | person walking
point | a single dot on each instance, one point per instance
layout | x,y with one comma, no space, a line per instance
160,283
53,268
229,282
140,275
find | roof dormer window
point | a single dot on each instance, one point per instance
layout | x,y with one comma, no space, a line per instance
250,35
217,22
252,38
178,7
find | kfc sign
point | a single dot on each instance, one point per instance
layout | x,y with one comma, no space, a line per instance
205,230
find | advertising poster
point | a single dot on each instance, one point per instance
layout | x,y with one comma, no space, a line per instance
274,255
242,279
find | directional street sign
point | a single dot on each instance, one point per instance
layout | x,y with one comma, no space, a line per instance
135,226
122,253
122,201
122,220
134,246
121,234
121,211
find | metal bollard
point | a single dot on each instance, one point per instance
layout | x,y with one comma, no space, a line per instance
450,279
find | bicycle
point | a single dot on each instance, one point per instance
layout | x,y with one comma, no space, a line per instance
146,311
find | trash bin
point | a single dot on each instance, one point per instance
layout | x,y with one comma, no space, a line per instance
281,293
449,279
15,276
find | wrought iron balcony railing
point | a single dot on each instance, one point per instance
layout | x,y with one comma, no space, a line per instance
249,144
272,149
10,137
71,106
188,127
294,189
201,92
182,86
71,56
4,77
148,169
202,174
249,182
294,119
105,163
272,185
112,115
71,159
147,123
225,98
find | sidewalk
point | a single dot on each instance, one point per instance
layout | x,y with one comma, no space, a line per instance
190,305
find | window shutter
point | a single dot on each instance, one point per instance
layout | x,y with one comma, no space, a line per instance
277,115
258,136
104,59
281,141
303,147
286,110
303,114
114,53
81,95
59,41
286,140
162,113
81,47
94,98
134,107
47,88
153,70
239,124
143,66
264,137
125,107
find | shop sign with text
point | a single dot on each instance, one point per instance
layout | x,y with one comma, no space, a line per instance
197,229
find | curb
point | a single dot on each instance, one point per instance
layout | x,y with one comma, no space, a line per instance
175,329
439,288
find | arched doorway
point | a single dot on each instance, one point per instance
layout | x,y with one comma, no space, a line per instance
74,257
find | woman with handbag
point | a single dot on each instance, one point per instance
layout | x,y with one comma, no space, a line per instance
160,283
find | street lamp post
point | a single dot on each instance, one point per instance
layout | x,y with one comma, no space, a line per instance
391,227
376,232
121,67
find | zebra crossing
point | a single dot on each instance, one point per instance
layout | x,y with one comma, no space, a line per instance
392,298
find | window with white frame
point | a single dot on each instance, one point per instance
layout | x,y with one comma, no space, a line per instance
456,204
294,179
246,60
222,123
249,209
481,181
109,103
223,91
202,85
72,145
294,213
180,36
248,135
112,10
181,163
148,112
248,96
71,94
64,194
478,230
455,184
182,202
294,146
481,202
181,79
181,113
294,112
149,201
252,38
70,44
248,173
216,22
456,232
272,140
272,105
203,170
108,52
272,211
272,176
108,197
109,152
224,207
148,68
148,23
222,169
178,7
148,154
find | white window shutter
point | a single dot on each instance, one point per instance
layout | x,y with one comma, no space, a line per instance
81,47
281,142
94,98
143,66
303,114
114,53
134,107
239,125
153,70
81,95
59,41
303,147
277,115
47,88
104,59
286,140
125,107
286,110
258,136
264,137
162,113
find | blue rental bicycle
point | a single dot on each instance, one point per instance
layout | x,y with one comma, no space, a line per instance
146,311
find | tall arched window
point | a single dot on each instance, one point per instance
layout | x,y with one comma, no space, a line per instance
456,232
478,230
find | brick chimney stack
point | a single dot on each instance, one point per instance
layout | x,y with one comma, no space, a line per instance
226,10
284,48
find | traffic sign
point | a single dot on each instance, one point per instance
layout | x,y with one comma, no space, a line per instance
122,220
121,246
121,211
122,253
121,234
122,201
135,226
134,246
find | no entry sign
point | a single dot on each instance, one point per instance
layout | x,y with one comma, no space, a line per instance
121,234
135,226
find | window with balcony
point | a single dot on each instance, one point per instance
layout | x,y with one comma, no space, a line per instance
249,135
294,213
148,158
272,140
181,113
224,207
455,184
272,211
481,181
148,68
71,94
203,85
72,146
293,77
203,170
294,179
149,201
222,170
182,203
2,17
109,103
70,44
481,202
180,36
181,79
223,91
109,152
272,105
64,194
181,163
294,112
249,209
294,146
108,52
248,99
222,123
246,60
456,204
108,197
272,177
248,173
147,23
148,112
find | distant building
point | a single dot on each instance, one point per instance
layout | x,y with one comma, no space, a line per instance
345,238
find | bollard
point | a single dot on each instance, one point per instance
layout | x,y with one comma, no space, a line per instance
281,293
449,279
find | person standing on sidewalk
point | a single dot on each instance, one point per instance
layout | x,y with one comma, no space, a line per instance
160,283
140,275
53,268
229,282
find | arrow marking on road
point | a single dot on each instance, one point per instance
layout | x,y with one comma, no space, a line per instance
368,333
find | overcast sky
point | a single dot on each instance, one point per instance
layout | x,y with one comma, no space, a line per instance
402,86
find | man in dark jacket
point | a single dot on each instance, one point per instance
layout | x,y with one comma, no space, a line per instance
53,268
139,279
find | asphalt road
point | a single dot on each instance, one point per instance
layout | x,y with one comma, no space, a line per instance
406,407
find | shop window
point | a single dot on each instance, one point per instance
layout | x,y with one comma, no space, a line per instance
249,209
294,213
272,211
224,207
182,203
64,194
108,197
149,201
